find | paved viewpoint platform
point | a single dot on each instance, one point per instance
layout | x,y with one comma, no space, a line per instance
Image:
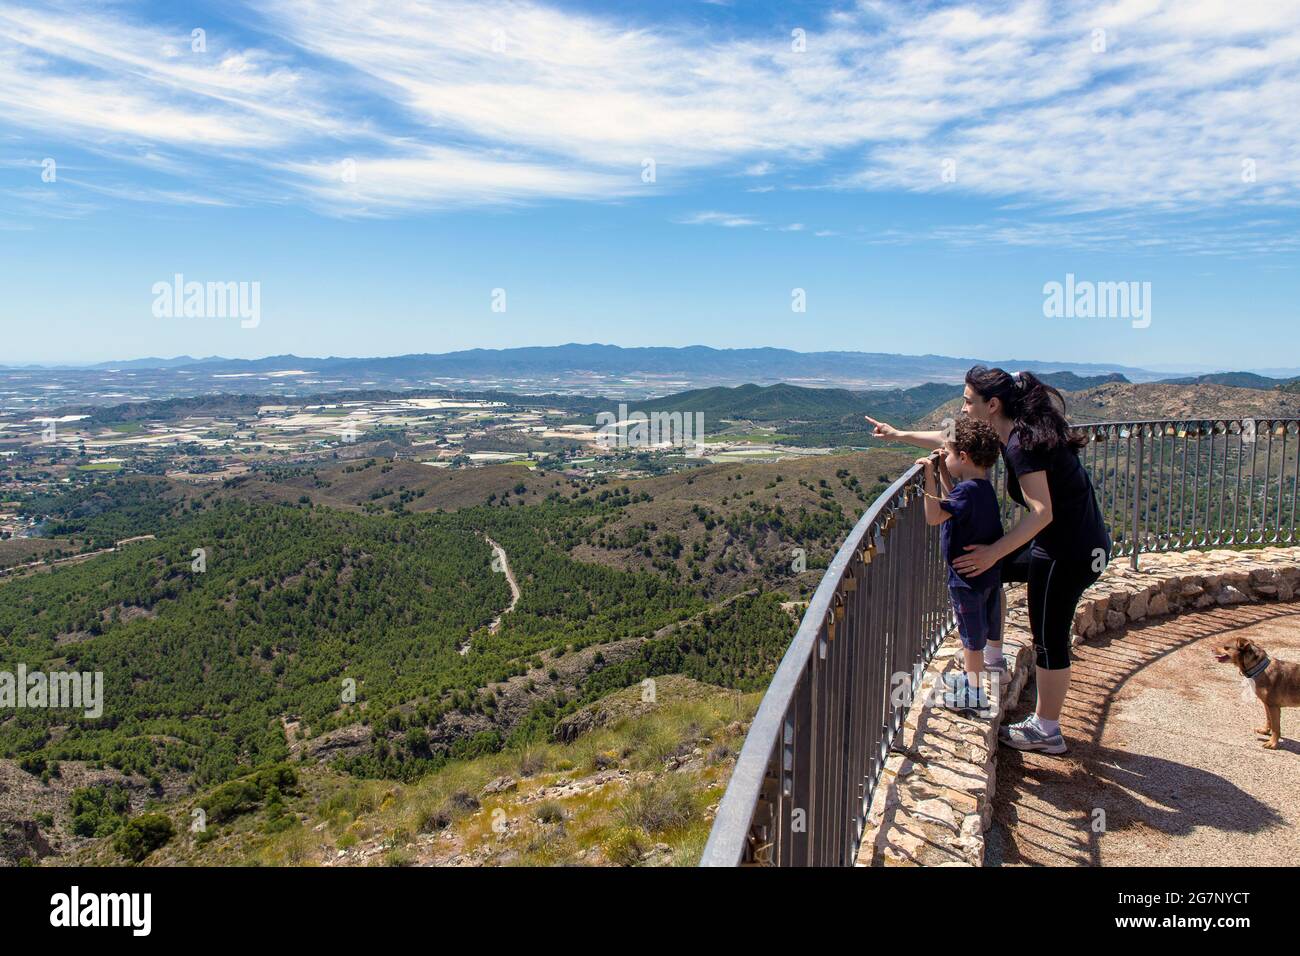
1161,743
1164,767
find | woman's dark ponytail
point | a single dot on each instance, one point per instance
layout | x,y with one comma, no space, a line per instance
1036,408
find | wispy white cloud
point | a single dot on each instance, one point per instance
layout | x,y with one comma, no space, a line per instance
727,219
91,74
145,194
1132,104
1136,232
437,177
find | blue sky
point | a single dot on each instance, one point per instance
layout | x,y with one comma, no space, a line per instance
920,170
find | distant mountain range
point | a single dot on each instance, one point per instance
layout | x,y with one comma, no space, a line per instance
1237,380
901,386
759,365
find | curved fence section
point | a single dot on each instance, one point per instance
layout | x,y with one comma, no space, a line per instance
804,779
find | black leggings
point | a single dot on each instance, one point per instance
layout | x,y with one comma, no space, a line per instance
1055,587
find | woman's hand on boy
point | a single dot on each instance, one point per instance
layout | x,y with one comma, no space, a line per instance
977,559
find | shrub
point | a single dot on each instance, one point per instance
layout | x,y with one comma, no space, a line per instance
531,763
247,793
142,835
549,811
462,801
429,818
605,760
626,847
98,811
660,804
34,764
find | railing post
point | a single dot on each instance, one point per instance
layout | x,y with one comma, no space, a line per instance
1137,498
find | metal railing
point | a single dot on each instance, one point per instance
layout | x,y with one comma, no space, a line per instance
804,780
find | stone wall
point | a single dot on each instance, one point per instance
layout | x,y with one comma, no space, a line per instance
1176,582
935,797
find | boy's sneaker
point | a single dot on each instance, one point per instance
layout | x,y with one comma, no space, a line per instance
963,697
1000,668
1027,735
953,679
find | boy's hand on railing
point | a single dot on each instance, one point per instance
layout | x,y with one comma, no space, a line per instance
927,472
946,481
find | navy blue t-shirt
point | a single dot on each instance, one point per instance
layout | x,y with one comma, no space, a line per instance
975,519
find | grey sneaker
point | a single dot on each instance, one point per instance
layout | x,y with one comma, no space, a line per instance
1026,736
962,697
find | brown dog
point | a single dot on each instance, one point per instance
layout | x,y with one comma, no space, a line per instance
1277,683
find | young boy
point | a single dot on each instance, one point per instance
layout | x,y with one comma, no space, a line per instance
969,514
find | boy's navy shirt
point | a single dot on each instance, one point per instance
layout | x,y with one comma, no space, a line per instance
975,519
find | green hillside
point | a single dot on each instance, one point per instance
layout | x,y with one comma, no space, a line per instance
632,786
822,417
211,673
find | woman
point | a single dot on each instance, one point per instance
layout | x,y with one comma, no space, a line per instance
1059,548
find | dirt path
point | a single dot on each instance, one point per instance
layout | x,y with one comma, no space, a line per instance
499,556
1161,743
499,553
75,558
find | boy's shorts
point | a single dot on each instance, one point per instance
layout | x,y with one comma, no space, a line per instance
979,615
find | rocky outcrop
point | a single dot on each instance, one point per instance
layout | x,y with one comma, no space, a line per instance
23,840
35,820
628,703
500,785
